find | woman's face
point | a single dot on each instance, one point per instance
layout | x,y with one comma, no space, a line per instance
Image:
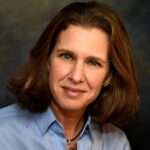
78,67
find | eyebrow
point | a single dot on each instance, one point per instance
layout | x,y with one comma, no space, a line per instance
64,50
89,58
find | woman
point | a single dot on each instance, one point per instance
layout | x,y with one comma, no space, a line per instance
77,83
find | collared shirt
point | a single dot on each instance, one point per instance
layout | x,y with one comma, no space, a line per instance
23,130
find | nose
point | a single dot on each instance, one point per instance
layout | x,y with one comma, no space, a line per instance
77,73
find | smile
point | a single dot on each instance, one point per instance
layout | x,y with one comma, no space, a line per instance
73,92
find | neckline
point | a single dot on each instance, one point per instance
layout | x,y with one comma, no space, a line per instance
76,137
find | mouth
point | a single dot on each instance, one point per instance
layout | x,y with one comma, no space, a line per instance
73,92
73,89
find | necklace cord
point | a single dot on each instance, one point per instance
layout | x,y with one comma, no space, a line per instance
70,140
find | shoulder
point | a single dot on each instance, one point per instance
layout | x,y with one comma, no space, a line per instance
13,116
110,136
16,125
107,128
11,110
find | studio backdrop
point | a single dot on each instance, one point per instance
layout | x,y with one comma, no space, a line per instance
22,22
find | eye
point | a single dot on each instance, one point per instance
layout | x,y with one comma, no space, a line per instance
94,63
66,56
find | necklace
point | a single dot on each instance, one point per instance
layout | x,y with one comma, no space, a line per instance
71,140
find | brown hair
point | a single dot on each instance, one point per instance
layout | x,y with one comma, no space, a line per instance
117,102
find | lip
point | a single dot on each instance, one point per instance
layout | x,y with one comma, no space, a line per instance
73,89
73,92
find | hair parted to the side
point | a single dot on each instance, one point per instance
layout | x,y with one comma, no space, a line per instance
118,102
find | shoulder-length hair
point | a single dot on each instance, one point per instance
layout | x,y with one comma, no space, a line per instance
118,102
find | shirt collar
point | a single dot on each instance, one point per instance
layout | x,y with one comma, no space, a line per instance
45,119
87,127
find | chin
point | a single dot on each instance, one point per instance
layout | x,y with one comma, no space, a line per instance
75,107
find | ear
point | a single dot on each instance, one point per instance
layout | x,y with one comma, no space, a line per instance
107,80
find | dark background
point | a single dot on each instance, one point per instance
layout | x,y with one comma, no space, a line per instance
22,22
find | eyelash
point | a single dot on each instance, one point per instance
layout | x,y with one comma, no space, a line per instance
94,63
66,56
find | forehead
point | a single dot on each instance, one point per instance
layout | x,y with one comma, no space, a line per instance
82,40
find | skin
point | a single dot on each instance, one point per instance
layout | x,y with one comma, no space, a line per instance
79,68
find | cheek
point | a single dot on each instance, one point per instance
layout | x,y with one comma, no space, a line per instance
57,72
96,80
96,83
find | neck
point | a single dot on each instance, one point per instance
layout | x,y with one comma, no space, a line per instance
72,121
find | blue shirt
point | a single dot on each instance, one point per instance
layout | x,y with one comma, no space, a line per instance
23,130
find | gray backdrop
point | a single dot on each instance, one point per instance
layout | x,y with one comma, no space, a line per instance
22,22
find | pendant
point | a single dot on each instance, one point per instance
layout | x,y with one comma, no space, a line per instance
69,147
